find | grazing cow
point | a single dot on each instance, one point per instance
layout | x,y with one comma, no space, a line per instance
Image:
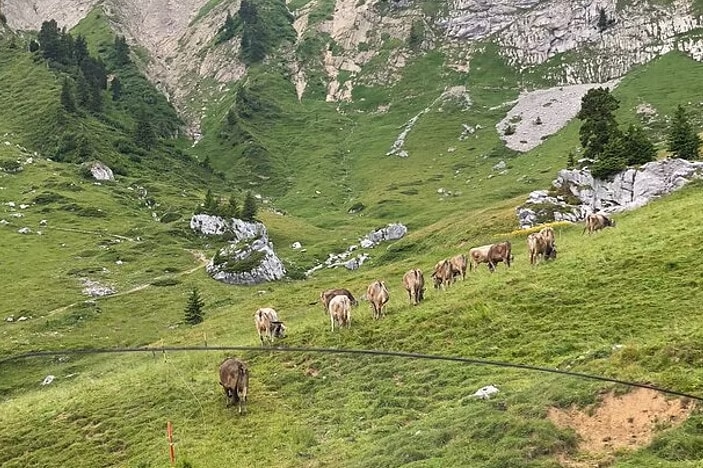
442,274
539,246
500,252
548,234
326,297
596,222
459,264
268,326
378,296
234,378
414,283
340,311
478,255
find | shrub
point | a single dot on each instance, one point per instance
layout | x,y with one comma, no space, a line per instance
509,130
194,308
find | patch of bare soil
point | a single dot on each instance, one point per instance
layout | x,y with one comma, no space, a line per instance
618,422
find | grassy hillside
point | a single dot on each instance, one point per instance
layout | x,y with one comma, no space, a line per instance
622,303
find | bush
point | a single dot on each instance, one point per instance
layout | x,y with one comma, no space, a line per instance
509,130
166,282
170,217
10,165
194,308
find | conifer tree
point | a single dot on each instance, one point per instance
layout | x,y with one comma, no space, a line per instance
249,208
116,89
67,100
683,140
121,51
232,209
144,135
194,308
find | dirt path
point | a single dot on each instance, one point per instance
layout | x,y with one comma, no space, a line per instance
202,261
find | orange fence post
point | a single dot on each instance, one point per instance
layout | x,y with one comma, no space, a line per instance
171,452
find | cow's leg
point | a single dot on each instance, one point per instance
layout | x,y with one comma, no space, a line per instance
332,321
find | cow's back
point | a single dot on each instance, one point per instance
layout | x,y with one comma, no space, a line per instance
233,374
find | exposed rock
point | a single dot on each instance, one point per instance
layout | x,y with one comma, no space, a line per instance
577,193
500,166
100,171
248,264
24,230
95,289
391,232
554,107
248,259
48,379
296,245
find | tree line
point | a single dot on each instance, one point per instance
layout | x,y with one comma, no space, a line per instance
229,208
613,150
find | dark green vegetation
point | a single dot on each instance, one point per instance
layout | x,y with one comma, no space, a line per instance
624,303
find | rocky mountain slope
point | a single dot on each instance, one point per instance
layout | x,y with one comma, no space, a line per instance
366,43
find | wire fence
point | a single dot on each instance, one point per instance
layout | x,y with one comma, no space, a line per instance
353,352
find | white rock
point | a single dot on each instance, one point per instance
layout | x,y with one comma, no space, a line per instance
100,171
24,230
22,318
10,204
24,207
485,393
296,245
4,222
48,379
42,222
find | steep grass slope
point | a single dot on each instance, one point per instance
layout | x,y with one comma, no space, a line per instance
621,287
622,303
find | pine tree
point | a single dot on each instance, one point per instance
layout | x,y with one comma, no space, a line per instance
144,135
232,209
116,89
121,51
228,29
602,20
570,160
599,125
194,308
250,208
50,40
33,46
210,203
637,147
683,140
67,100
80,49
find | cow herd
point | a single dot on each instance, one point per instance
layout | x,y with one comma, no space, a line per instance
338,302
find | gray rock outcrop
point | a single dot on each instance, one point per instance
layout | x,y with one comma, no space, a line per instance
249,257
576,193
393,231
100,171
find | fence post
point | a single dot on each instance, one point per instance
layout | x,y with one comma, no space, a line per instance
171,451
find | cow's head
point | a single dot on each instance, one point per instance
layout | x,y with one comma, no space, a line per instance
279,329
611,222
552,253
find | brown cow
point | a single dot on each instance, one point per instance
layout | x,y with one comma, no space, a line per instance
539,246
234,378
478,255
378,296
548,234
500,252
268,326
340,311
459,264
326,297
596,222
442,274
414,283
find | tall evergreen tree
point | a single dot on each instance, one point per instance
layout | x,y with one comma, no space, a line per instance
599,125
249,208
80,49
232,209
683,140
116,88
637,147
50,40
210,203
144,134
121,51
33,46
228,29
194,308
602,19
67,100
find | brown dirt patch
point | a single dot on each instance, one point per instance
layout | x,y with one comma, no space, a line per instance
620,421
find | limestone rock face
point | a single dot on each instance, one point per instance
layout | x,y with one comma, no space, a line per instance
576,193
391,232
248,259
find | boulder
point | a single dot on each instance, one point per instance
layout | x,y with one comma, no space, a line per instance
393,231
100,171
